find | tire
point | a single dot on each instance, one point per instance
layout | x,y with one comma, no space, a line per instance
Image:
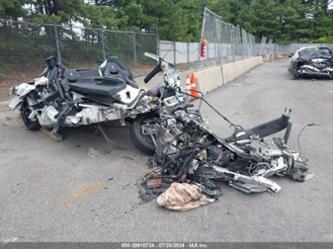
25,112
294,74
142,142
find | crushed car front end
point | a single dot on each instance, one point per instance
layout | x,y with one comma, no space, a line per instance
312,62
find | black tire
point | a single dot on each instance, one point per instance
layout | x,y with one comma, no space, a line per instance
294,74
142,142
25,112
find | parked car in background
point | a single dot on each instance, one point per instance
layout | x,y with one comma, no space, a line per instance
312,62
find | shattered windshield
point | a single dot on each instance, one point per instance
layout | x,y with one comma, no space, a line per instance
311,53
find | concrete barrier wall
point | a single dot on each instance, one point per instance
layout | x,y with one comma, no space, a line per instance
212,77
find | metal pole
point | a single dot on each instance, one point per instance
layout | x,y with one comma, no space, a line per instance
202,35
174,53
188,52
233,44
239,42
56,37
134,48
218,36
213,13
157,43
230,41
215,51
103,45
242,42
207,47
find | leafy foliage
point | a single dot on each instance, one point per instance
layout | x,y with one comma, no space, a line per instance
282,20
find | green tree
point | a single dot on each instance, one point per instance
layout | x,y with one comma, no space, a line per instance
12,8
282,20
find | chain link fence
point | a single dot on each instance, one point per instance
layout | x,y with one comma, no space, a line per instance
25,46
178,52
223,42
288,49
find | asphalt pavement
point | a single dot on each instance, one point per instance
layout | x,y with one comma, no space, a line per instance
86,189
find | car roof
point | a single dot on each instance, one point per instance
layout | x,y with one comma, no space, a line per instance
314,47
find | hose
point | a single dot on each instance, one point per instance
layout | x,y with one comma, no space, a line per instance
300,133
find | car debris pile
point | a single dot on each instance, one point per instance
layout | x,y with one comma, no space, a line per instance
188,153
312,62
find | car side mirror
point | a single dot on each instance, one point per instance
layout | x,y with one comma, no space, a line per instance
291,55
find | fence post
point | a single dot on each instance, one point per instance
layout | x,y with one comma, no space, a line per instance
134,48
103,44
233,44
229,27
215,52
242,42
174,53
207,50
157,43
201,35
218,28
188,52
56,37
